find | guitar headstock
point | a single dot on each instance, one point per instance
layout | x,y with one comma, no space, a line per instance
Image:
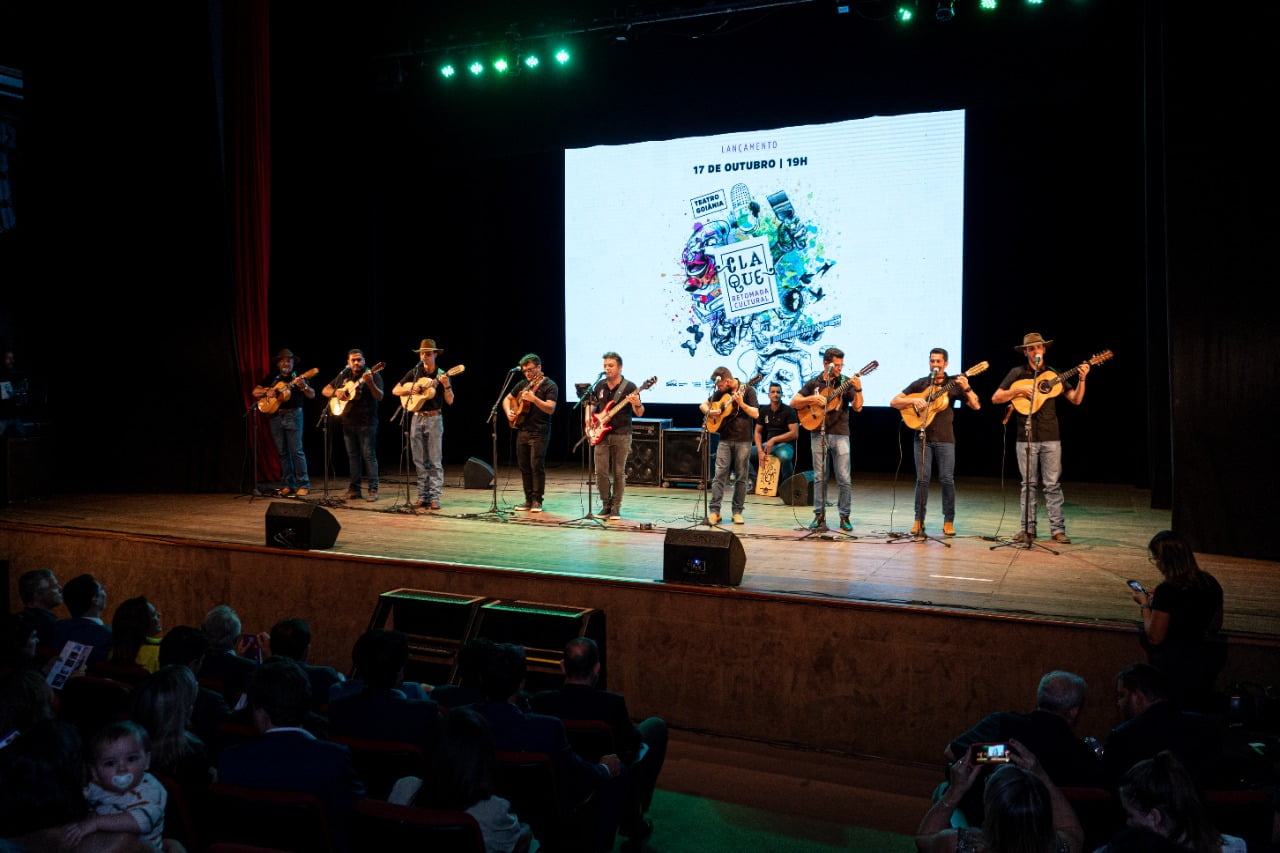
977,368
648,383
871,365
377,368
1102,357
754,380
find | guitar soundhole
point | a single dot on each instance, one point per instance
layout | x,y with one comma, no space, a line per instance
1044,386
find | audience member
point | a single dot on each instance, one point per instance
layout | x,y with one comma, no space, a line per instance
462,778
41,595
135,635
223,662
162,704
288,758
1152,724
473,658
186,646
1158,795
381,710
21,642
1181,618
1047,732
643,748
291,638
122,795
86,601
1023,808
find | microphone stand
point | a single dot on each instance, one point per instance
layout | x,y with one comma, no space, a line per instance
493,513
323,423
408,470
1029,501
703,449
250,417
820,529
588,457
922,536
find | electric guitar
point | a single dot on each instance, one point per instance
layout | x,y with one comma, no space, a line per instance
598,427
812,414
722,408
279,393
350,390
936,398
425,389
1049,385
518,411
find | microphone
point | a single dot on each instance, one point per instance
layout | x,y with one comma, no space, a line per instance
933,371
516,369
1039,358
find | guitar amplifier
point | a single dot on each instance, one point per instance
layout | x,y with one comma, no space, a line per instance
682,462
644,463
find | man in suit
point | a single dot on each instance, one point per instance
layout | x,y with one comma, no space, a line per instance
1152,724
41,595
643,748
291,638
86,601
225,660
286,757
381,710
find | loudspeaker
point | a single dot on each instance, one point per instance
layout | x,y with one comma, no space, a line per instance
797,490
644,464
681,459
437,624
708,557
299,525
477,474
543,630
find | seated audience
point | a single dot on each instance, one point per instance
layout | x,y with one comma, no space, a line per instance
1047,732
472,660
1152,724
1023,811
223,661
186,646
1159,796
41,596
21,642
86,601
381,710
122,795
1181,619
291,638
642,748
288,758
135,636
162,704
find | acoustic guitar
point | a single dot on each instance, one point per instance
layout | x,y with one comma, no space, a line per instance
279,393
351,390
598,427
812,414
722,408
425,389
936,398
518,412
1049,385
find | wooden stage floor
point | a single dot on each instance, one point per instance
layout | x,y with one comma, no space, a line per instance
1084,583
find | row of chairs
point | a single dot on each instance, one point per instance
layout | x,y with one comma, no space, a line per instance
1244,813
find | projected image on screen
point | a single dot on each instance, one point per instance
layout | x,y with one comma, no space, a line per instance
757,251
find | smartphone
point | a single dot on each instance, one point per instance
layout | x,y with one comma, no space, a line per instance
252,649
1136,587
991,753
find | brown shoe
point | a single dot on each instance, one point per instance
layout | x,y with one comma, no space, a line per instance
422,505
1024,536
372,496
1062,538
351,495
948,528
917,528
302,493
435,504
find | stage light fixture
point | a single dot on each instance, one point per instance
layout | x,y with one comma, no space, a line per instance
447,70
562,56
946,10
904,14
476,68
988,5
1035,2
530,61
500,65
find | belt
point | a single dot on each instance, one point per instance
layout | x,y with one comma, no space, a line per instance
429,413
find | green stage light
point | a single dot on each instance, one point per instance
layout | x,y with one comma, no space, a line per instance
531,61
988,5
476,68
447,70
562,56
904,14
500,65
1035,2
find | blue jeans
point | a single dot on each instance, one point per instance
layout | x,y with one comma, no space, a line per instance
426,441
838,450
531,455
361,439
286,432
611,465
1046,469
735,455
945,453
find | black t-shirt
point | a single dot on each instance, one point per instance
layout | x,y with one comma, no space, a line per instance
296,397
776,423
737,425
436,403
837,421
536,420
1044,423
364,408
1191,610
602,397
940,428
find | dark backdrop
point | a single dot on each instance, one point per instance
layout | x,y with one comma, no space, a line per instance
1118,195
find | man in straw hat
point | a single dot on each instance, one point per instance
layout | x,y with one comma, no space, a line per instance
286,422
426,431
1046,449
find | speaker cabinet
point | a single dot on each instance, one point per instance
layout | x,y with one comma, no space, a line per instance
477,474
681,459
706,557
797,490
437,625
644,463
543,630
301,526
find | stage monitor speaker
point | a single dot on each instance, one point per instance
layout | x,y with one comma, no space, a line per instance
477,474
797,490
707,557
437,624
301,526
543,630
681,459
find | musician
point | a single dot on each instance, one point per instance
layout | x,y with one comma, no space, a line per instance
1046,448
426,429
776,429
939,438
359,421
734,450
537,396
286,423
847,390
612,451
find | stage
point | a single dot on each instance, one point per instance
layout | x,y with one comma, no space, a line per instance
875,622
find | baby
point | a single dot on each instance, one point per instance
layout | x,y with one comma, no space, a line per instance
122,795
